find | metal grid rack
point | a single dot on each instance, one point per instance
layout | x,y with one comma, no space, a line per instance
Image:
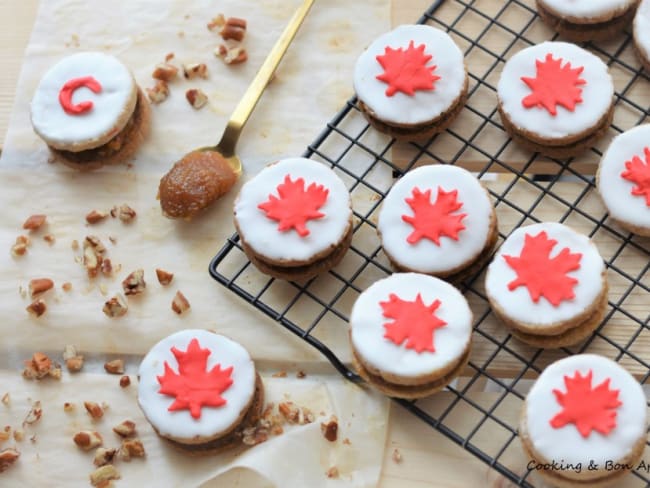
529,188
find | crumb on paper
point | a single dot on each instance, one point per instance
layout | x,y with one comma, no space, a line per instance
131,448
134,283
39,366
106,267
125,381
397,456
34,415
20,246
196,98
164,277
159,93
34,222
164,72
73,360
115,366
217,22
94,409
69,407
5,434
102,475
279,374
124,212
50,239
194,70
38,286
95,216
333,472
6,399
233,29
36,308
347,442
88,439
19,435
67,286
103,456
330,429
231,54
125,428
180,304
115,306
301,374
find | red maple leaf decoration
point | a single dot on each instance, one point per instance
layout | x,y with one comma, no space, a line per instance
638,172
554,85
414,322
543,276
433,220
589,409
406,70
296,205
193,386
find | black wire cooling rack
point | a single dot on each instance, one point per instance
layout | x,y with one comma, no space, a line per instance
479,411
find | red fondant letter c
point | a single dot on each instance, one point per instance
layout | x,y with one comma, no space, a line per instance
68,89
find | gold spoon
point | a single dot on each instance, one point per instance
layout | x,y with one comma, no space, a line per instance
206,174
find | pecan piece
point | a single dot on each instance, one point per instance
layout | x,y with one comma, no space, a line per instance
165,72
103,456
20,246
217,22
164,277
40,285
40,366
88,439
134,283
196,98
333,472
233,29
102,475
8,457
116,366
231,54
73,361
107,267
159,92
115,306
192,70
34,415
125,429
94,409
34,222
36,308
125,213
95,216
330,429
49,238
125,381
180,303
131,448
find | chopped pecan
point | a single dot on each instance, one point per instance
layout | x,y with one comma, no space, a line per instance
131,448
192,70
5,434
233,29
49,238
330,429
88,439
19,435
103,456
125,381
20,246
252,436
40,285
94,409
196,98
159,92
107,267
95,216
169,57
36,308
115,306
333,472
125,213
40,366
231,54
217,22
67,286
301,374
180,304
134,283
73,361
102,475
8,457
279,374
164,277
34,415
115,366
69,407
125,429
165,72
34,222
397,456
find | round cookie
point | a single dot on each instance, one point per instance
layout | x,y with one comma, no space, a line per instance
584,410
587,20
547,283
199,390
555,98
294,219
623,179
410,334
438,220
641,31
411,82
89,111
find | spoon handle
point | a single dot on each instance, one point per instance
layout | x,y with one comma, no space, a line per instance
246,105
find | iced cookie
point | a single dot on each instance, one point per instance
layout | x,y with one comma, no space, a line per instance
555,98
583,421
294,219
199,390
438,220
89,111
547,283
641,30
411,82
623,179
587,20
410,334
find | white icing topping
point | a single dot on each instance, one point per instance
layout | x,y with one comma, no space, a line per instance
597,92
262,234
642,28
616,191
117,96
566,443
517,303
426,256
424,105
588,9
180,424
367,325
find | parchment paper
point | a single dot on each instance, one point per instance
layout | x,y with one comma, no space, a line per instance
311,84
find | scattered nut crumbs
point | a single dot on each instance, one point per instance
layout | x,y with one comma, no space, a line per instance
95,216
67,286
159,92
330,429
102,475
231,54
88,439
36,308
115,366
40,285
164,72
333,472
6,399
20,246
295,414
193,70
180,304
94,410
103,456
49,238
125,428
301,374
8,457
125,213
115,306
34,415
134,283
279,374
73,361
397,456
131,448
34,222
93,255
125,381
69,407
164,277
347,442
40,366
196,98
